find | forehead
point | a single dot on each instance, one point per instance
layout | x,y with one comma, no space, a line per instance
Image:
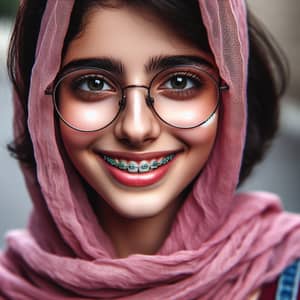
129,35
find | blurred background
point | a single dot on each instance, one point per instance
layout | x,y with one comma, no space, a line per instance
279,172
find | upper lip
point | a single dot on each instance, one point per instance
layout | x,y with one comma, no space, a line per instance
137,156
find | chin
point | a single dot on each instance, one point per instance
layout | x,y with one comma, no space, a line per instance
138,205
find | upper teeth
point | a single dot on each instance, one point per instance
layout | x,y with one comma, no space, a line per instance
141,167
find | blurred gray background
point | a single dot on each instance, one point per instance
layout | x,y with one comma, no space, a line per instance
279,172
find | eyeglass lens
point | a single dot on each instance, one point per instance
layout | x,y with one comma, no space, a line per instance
89,99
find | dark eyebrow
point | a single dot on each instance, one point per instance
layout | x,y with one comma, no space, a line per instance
155,64
158,63
106,63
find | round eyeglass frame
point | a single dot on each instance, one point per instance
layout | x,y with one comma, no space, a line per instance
52,89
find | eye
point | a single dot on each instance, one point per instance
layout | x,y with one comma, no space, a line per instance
181,82
92,83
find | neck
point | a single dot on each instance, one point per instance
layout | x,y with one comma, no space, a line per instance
136,236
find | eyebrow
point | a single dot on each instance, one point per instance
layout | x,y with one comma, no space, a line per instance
154,64
158,63
109,64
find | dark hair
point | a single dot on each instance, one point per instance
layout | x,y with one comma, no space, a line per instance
266,79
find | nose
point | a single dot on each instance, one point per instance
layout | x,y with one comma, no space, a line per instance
137,125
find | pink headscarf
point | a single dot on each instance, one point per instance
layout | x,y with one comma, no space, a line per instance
222,245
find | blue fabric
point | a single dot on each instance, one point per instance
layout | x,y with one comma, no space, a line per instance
288,284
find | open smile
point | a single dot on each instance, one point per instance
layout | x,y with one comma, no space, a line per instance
138,170
143,166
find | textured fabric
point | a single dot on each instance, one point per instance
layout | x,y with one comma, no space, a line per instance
222,245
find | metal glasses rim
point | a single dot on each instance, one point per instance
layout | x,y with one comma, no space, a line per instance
51,90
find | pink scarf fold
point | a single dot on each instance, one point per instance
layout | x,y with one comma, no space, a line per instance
222,245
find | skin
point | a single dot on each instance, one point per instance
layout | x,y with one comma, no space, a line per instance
137,219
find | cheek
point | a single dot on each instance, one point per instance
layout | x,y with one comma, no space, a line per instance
201,137
75,140
78,146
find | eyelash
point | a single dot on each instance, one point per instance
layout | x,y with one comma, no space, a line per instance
84,79
190,76
77,85
185,92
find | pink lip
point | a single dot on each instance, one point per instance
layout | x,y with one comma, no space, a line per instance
138,179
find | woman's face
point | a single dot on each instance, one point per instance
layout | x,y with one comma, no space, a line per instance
134,40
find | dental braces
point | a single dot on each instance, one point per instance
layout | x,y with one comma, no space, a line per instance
141,167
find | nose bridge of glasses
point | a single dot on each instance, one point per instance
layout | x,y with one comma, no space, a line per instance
133,88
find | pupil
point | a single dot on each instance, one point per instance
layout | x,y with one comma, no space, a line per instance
178,82
95,84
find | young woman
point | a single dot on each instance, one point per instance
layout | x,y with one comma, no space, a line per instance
135,122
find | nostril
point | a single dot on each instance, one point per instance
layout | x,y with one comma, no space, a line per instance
136,130
136,144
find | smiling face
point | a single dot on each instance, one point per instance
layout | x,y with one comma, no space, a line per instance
160,160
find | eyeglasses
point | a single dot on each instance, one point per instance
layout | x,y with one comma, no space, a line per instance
90,99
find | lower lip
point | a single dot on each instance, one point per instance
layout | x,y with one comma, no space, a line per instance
138,179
